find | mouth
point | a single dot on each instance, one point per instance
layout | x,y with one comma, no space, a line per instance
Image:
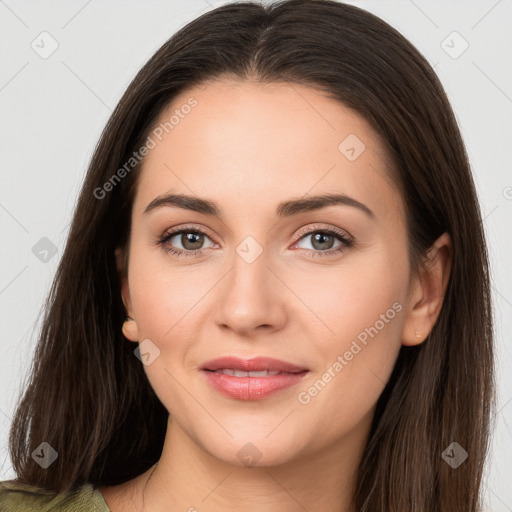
252,379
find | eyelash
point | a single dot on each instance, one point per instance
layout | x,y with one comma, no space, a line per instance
346,242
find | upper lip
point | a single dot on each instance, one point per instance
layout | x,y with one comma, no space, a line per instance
254,364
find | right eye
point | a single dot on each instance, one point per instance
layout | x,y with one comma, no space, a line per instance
191,241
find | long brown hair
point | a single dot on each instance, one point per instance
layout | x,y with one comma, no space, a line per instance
88,396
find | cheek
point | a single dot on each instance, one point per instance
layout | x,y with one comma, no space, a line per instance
353,297
164,294
166,305
363,307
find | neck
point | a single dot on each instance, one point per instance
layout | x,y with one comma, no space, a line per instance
190,479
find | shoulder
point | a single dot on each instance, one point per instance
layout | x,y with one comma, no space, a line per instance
18,497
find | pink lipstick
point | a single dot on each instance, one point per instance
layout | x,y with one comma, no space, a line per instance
251,379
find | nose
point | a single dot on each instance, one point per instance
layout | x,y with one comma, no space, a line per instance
251,297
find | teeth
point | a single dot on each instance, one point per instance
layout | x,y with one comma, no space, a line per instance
239,373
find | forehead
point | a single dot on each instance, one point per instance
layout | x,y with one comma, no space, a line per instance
255,144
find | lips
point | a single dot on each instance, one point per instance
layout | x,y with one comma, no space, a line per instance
256,364
251,379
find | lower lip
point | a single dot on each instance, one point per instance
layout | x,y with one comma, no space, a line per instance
252,388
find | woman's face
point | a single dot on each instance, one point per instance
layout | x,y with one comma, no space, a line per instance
267,272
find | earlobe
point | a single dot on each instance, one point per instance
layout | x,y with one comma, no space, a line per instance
130,329
426,300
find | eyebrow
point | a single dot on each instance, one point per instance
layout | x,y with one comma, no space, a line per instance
284,209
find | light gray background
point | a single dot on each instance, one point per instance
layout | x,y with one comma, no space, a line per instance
53,109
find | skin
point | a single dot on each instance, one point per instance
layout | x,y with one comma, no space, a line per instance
247,147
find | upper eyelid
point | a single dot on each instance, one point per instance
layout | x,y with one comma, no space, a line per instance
315,228
186,227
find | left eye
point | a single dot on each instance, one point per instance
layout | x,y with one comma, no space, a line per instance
323,240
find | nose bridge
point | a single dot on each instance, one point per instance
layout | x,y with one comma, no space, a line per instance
248,297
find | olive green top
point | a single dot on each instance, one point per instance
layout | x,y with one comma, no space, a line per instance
17,497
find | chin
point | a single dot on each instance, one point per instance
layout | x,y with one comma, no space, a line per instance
254,450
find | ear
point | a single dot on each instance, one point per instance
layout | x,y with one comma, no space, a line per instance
427,292
130,329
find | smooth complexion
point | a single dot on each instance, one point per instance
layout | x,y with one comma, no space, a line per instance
248,147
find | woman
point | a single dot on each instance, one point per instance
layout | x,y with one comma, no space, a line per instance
275,291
